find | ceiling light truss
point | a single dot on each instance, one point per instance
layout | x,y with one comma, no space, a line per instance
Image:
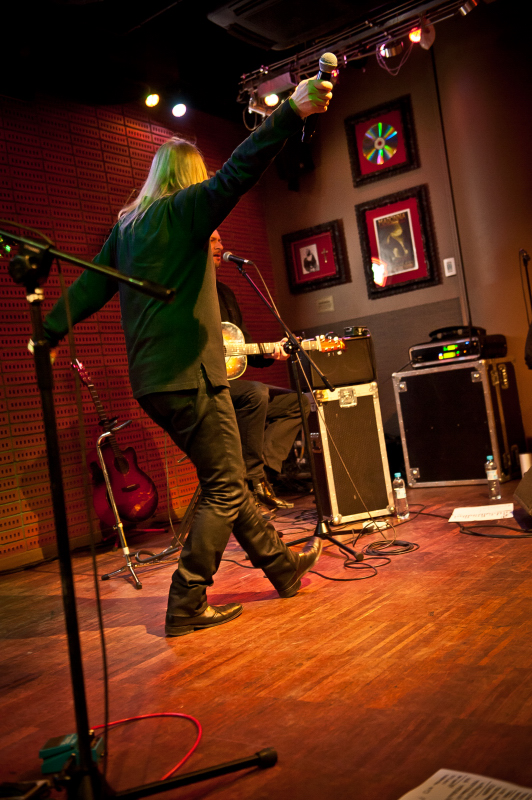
351,44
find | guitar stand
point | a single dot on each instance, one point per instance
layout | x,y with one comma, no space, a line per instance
129,567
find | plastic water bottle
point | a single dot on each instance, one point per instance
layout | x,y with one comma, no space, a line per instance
494,487
401,503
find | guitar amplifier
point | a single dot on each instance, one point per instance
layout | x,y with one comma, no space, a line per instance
354,365
452,417
349,450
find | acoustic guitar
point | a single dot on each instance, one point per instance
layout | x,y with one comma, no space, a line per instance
134,492
236,349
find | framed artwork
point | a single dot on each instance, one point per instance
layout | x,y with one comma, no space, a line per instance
382,141
316,257
398,245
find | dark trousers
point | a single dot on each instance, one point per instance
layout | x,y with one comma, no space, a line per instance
202,423
268,419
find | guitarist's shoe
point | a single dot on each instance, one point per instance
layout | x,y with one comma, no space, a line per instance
264,494
211,616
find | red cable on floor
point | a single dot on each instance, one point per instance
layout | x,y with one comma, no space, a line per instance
164,714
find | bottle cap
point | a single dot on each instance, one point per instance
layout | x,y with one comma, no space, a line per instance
489,458
397,475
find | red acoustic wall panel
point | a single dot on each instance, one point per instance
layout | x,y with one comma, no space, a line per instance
66,170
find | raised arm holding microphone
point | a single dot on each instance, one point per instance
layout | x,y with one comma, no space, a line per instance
175,352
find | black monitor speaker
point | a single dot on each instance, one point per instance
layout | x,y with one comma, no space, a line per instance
523,492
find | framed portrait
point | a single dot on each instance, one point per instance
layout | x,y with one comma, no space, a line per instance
316,257
399,250
382,141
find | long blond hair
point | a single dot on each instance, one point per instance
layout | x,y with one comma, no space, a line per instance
176,165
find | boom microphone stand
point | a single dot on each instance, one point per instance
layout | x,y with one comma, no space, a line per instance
323,529
31,267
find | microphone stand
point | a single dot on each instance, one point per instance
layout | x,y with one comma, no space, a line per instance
323,528
82,780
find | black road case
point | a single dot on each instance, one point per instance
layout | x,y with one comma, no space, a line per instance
452,417
350,453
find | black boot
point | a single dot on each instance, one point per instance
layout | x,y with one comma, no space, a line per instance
263,493
212,615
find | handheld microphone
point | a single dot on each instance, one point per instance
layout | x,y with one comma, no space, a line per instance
241,262
328,62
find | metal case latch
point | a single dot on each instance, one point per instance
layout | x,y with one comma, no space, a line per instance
503,376
347,397
316,443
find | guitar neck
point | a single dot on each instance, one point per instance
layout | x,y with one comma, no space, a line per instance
104,419
264,348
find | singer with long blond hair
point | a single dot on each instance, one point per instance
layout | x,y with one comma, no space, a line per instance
175,351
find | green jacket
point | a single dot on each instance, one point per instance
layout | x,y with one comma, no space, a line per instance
167,344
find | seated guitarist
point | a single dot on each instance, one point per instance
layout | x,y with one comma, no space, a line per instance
268,417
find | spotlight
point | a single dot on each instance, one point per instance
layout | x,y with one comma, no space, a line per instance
271,100
152,100
179,110
468,6
415,35
391,49
428,34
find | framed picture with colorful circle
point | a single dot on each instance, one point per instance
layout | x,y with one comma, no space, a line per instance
316,257
382,141
398,245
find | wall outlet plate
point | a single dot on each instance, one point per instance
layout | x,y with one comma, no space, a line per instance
325,304
449,267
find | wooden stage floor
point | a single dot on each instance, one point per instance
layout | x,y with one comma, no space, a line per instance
365,688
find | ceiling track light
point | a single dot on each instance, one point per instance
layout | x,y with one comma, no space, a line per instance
468,6
428,34
388,34
391,49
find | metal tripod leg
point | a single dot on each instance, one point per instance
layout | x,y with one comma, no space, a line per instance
119,527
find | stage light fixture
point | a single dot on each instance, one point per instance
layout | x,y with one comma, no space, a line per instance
277,85
179,110
152,100
271,100
428,34
415,35
391,49
468,6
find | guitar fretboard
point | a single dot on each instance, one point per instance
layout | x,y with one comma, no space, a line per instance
264,348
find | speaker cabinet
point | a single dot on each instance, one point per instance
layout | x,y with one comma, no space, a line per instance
451,417
355,364
523,492
350,453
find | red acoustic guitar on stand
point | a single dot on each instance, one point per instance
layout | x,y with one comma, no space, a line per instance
134,492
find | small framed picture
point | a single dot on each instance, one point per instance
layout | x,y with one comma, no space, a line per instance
398,245
382,141
316,257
